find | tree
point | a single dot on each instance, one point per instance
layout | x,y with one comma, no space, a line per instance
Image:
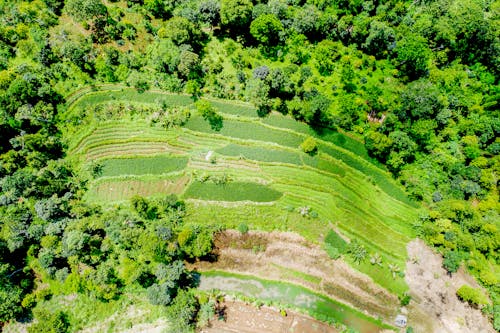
258,92
10,302
183,310
160,294
309,146
50,322
266,29
378,144
381,37
181,31
209,12
83,10
209,113
414,55
325,53
236,14
451,261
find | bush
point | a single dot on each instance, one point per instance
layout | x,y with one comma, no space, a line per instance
183,311
309,146
472,296
404,299
209,113
49,322
451,261
243,228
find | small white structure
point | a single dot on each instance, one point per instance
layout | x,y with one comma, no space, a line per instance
209,154
400,320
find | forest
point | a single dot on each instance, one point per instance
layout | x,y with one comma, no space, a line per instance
416,82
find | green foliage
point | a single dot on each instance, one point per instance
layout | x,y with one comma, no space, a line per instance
309,146
195,241
413,81
404,299
243,228
471,295
236,14
414,55
266,29
233,191
85,9
49,322
333,240
183,310
209,113
141,165
451,261
357,252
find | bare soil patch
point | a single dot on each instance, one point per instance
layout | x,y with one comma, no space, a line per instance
289,257
244,318
435,306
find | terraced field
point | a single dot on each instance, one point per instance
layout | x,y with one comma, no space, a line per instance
251,171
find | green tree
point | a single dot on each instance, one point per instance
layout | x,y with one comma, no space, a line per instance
309,146
83,10
209,113
266,29
380,38
236,14
451,261
50,322
183,310
414,55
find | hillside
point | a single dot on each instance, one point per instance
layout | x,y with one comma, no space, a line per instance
172,163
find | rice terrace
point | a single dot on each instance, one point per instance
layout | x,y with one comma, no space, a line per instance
251,171
249,166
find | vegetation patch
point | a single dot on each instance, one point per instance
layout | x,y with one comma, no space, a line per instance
261,154
110,190
291,295
141,165
247,130
232,191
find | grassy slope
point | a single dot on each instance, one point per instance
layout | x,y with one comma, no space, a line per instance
341,184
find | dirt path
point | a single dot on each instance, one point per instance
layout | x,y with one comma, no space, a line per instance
288,257
244,318
435,306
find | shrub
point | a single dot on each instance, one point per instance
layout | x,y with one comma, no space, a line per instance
243,228
183,310
309,146
404,299
472,296
451,261
49,322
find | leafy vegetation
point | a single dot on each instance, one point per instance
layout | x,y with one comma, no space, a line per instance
92,92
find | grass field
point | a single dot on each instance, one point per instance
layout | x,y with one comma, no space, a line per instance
271,179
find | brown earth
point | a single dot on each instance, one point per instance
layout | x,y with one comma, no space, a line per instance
289,257
243,318
435,306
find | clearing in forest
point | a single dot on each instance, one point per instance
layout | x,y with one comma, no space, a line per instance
256,173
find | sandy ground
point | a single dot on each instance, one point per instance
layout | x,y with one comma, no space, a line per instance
435,306
244,318
287,252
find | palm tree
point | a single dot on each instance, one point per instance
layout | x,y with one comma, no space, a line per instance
376,259
394,270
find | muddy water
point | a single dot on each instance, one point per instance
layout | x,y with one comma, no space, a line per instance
289,294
